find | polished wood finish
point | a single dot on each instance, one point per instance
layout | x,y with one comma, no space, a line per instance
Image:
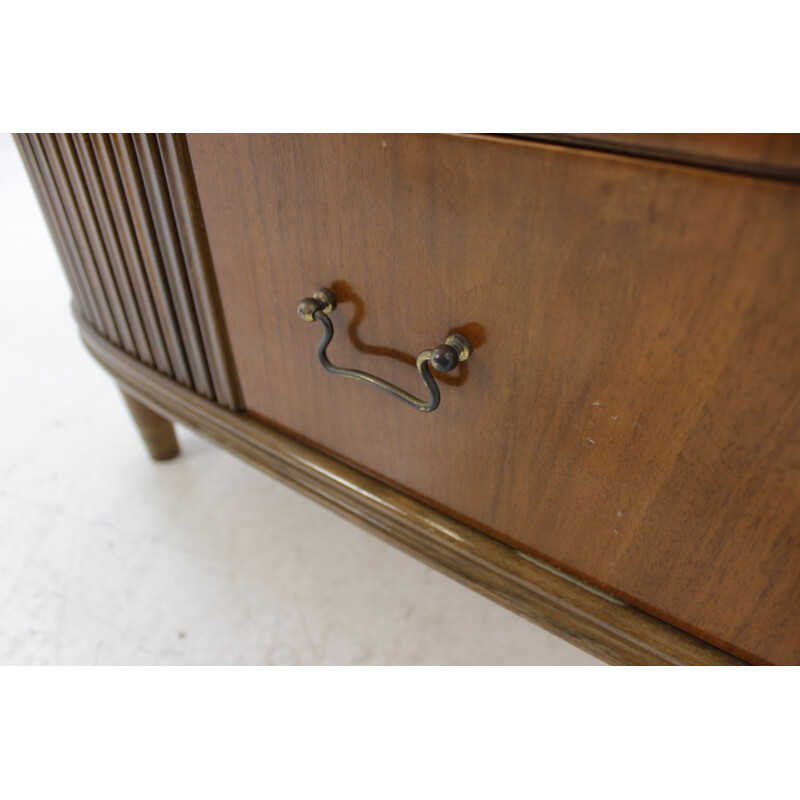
628,414
774,155
65,196
49,200
199,269
107,243
630,411
597,623
125,218
85,217
149,249
158,433
122,227
166,232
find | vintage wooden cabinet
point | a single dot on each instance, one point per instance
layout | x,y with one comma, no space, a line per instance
617,458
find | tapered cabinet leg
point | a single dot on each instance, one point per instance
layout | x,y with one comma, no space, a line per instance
158,433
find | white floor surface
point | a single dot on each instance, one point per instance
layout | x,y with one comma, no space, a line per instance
109,558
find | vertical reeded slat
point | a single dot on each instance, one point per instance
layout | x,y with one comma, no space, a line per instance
55,224
155,185
109,243
131,254
126,220
151,256
65,190
83,273
94,237
199,268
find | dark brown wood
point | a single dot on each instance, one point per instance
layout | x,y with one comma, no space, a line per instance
86,219
108,242
48,200
158,433
597,623
128,226
149,248
775,155
63,191
131,255
630,411
175,270
199,268
667,293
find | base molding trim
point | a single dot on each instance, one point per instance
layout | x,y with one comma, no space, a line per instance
603,626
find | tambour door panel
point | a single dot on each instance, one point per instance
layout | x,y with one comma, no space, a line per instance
630,409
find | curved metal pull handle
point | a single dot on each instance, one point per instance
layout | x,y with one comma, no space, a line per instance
444,358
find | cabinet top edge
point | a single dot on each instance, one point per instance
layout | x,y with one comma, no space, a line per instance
775,156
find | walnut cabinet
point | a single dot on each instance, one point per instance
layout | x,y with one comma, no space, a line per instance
618,458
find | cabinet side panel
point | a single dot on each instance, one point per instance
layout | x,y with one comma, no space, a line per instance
172,256
108,240
131,253
87,219
49,202
199,268
126,220
152,262
63,188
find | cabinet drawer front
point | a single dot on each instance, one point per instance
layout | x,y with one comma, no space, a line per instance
629,412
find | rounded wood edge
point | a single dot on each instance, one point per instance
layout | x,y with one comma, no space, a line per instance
612,631
596,145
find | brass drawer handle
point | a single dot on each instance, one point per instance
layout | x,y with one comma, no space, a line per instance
444,358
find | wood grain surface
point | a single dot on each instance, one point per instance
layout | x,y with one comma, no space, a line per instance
607,628
630,411
774,155
123,227
41,177
155,183
152,259
94,250
65,196
125,217
199,268
108,242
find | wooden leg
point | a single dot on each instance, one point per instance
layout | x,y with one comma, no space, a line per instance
158,433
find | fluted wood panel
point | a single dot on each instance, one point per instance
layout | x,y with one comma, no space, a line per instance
131,254
39,173
167,236
108,243
87,219
150,250
125,219
63,188
199,267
